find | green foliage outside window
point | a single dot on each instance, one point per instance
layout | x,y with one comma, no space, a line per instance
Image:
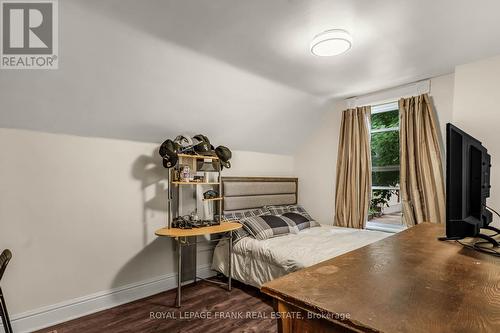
385,149
385,120
380,199
384,153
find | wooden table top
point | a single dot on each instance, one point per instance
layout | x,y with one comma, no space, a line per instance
408,282
215,229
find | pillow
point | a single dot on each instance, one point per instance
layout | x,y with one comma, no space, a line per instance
240,214
299,209
280,210
300,221
239,234
267,226
277,210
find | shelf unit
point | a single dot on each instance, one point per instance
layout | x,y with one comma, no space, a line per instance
175,185
213,199
199,157
195,183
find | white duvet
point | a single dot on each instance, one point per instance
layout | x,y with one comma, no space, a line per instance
257,261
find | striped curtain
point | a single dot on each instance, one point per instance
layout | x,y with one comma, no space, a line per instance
353,183
422,184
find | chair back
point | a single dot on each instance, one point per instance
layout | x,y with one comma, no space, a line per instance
4,260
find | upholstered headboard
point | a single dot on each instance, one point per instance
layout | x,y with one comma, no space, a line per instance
254,192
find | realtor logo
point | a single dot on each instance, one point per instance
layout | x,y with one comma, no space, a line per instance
29,34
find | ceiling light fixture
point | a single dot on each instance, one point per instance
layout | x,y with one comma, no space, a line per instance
331,43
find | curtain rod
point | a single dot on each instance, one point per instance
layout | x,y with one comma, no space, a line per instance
390,94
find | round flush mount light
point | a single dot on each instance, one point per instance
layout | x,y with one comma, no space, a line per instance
331,43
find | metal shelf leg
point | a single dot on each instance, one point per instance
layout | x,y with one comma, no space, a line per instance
179,275
230,244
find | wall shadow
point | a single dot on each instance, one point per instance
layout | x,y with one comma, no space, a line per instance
159,252
149,171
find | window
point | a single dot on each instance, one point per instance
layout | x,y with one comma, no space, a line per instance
385,203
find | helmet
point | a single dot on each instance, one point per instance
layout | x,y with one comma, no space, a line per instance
169,162
168,150
201,137
184,141
224,155
201,144
210,194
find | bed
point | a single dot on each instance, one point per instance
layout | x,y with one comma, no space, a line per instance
256,262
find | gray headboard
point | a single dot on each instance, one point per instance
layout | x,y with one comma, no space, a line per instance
254,192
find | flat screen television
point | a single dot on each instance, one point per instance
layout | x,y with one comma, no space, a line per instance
468,166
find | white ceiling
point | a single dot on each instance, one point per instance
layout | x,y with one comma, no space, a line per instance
238,71
395,41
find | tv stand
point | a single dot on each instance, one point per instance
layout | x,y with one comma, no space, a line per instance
487,238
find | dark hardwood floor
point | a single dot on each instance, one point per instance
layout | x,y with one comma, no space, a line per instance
252,309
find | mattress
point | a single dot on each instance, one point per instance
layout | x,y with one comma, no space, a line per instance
256,262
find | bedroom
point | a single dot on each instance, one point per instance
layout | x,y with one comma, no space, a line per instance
83,186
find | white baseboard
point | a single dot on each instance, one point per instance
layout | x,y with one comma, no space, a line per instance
57,313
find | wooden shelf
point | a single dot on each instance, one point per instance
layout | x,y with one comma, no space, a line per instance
215,229
198,157
195,183
213,199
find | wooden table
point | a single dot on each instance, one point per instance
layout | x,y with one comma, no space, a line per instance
408,282
180,235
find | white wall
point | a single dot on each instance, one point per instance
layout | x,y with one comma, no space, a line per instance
80,213
316,158
117,79
477,111
253,164
442,92
315,164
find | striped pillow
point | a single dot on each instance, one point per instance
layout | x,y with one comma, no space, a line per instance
241,214
277,210
300,221
241,233
268,226
280,210
299,209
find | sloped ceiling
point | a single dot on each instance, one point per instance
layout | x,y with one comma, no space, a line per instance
394,41
238,71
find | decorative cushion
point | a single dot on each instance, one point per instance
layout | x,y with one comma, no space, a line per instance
299,209
277,210
268,226
241,214
239,234
280,210
300,221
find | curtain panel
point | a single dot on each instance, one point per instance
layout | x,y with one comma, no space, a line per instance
422,184
353,181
